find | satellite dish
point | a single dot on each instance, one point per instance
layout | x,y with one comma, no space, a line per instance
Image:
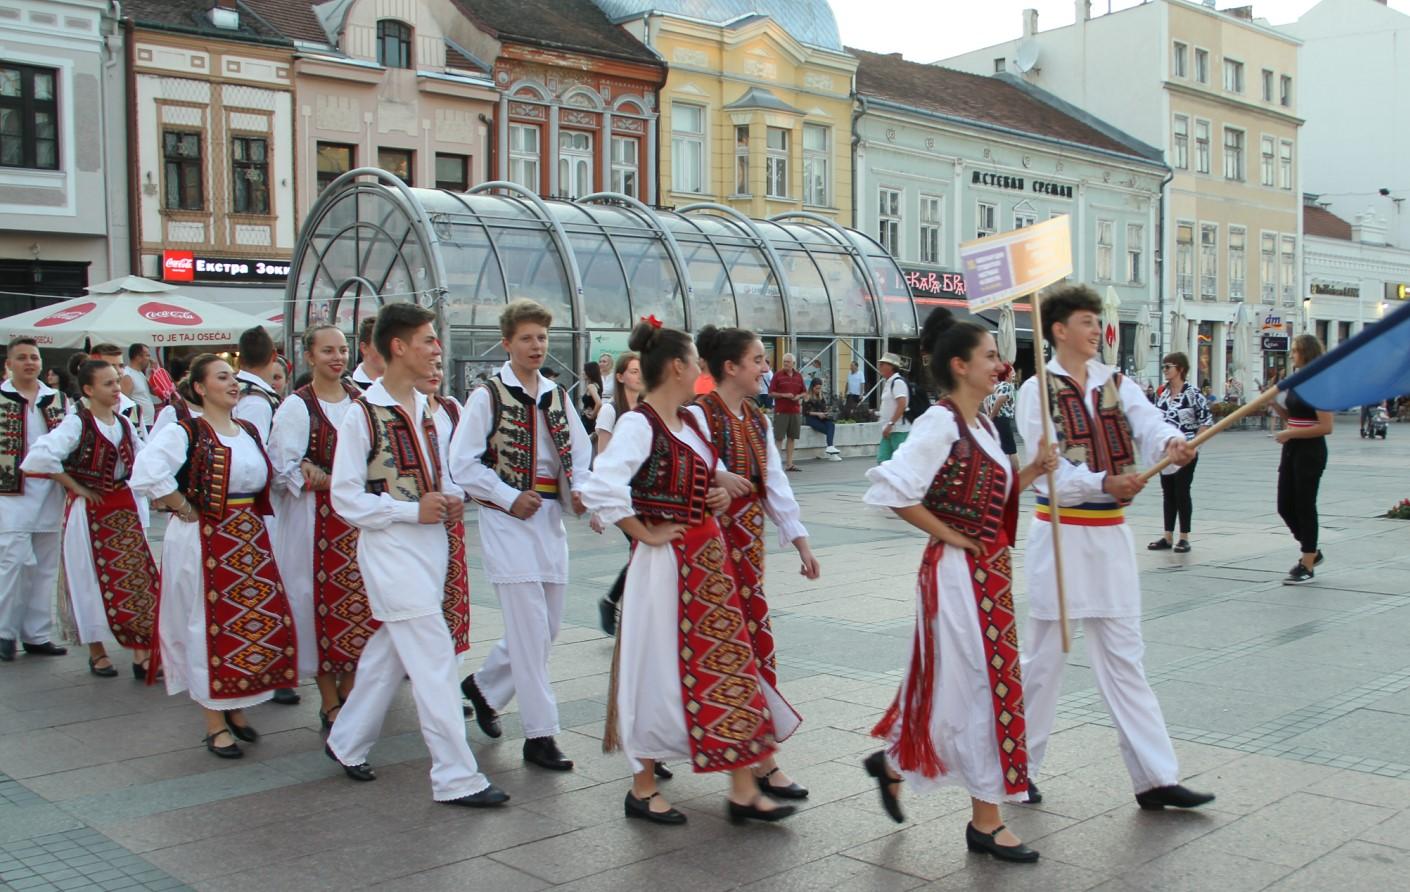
1027,55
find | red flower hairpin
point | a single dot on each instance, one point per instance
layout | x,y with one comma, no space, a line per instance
652,320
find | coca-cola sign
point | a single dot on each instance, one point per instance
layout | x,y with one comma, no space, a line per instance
186,266
167,314
69,314
179,266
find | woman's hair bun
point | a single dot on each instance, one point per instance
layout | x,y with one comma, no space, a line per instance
643,337
707,339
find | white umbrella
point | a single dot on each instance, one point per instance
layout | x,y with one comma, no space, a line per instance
1179,327
1243,336
1140,354
1008,334
133,310
1111,326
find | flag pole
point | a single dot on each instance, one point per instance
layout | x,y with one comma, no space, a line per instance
1041,367
1254,405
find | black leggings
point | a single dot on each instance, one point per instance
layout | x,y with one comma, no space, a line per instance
1299,475
1176,489
614,594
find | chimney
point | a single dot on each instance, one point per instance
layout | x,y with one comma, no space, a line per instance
1084,10
1030,22
1240,12
224,15
1367,229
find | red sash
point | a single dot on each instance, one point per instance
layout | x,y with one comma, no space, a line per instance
122,561
743,529
342,617
456,603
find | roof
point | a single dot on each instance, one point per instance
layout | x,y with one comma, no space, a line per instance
458,56
758,97
991,101
809,22
191,16
294,19
576,25
1318,221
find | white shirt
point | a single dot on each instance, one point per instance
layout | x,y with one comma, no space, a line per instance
856,382
609,493
288,438
905,478
39,509
609,386
47,454
154,471
168,416
255,408
893,389
778,502
606,417
142,395
361,378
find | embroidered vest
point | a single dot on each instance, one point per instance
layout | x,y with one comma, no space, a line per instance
14,430
94,462
511,448
248,388
672,483
1102,444
741,443
396,464
968,490
205,476
322,433
452,409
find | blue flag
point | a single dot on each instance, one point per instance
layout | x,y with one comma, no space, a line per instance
1371,367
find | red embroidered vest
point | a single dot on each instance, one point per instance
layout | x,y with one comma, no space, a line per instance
511,448
14,433
205,477
968,490
94,462
322,433
396,464
452,409
741,443
1103,443
672,483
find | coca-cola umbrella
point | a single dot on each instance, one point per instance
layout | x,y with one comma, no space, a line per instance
134,310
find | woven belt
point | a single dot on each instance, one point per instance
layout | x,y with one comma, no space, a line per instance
1087,514
546,487
238,500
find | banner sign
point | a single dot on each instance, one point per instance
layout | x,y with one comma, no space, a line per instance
999,268
187,266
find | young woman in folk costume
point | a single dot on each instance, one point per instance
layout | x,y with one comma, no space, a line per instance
626,391
958,718
681,612
91,454
317,549
179,407
445,411
743,438
224,625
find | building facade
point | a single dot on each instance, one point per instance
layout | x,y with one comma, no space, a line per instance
1354,277
1218,91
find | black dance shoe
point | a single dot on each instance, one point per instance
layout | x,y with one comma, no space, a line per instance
875,764
243,732
108,671
1174,796
641,808
544,752
1034,795
607,616
7,650
47,649
489,797
662,772
360,772
983,843
486,718
232,751
286,697
738,814
792,791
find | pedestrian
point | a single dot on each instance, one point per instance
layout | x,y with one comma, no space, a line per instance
625,394
455,605
764,400
58,379
370,365
819,415
998,407
1303,460
957,719
1234,390
895,395
605,364
1185,408
685,683
1104,426
856,387
136,386
591,396
224,623
786,389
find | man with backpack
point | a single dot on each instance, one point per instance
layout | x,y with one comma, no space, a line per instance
895,398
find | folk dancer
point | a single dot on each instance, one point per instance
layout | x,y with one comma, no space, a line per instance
456,603
370,364
112,579
743,439
673,693
1104,426
519,450
127,407
958,717
224,626
626,391
31,510
388,480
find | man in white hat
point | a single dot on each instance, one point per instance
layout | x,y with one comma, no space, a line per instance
895,394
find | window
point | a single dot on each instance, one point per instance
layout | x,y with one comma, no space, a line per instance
741,159
334,160
1185,260
986,220
1233,76
249,175
889,218
400,162
1202,66
932,207
1105,249
1289,271
1265,164
817,183
1267,85
524,156
687,147
452,172
393,44
1267,267
1285,91
181,160
1180,143
1201,146
999,64
29,117
1179,60
1024,216
1208,261
1238,264
574,163
776,163
626,165
1233,154
1285,168
1135,253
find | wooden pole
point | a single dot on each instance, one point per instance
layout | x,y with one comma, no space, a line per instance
1254,405
1041,366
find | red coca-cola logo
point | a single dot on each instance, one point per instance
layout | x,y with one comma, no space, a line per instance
179,266
167,314
77,311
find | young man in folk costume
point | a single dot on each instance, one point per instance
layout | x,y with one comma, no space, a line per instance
519,452
112,579
389,481
370,364
1105,428
30,510
445,411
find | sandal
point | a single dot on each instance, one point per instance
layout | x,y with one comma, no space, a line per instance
1161,544
1182,547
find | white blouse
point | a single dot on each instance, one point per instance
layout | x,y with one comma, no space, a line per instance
903,481
779,502
154,472
608,492
47,454
288,438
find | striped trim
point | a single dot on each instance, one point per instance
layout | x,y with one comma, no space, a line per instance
240,499
546,487
1302,422
1087,514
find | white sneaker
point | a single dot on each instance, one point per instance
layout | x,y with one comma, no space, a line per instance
833,450
833,456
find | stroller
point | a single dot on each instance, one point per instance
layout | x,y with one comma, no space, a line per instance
1377,423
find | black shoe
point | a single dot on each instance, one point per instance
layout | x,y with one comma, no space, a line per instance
1299,575
1182,547
1034,796
325,722
47,649
1317,561
108,671
487,798
486,718
662,772
232,751
738,814
875,764
244,732
286,697
544,752
360,772
984,843
1174,796
641,808
607,616
7,650
1161,544
792,791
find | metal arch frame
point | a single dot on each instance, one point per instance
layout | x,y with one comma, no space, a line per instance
770,255
858,257
667,238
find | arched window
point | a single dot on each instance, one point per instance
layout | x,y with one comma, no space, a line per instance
393,44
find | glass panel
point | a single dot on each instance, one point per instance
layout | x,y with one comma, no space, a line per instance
476,289
757,297
535,270
808,304
10,82
655,289
849,292
604,289
712,299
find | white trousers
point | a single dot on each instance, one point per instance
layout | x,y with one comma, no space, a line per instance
29,576
421,649
1115,651
518,663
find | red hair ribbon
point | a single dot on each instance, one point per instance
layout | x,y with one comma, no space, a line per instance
652,320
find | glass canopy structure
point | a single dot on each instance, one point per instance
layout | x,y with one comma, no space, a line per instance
599,263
